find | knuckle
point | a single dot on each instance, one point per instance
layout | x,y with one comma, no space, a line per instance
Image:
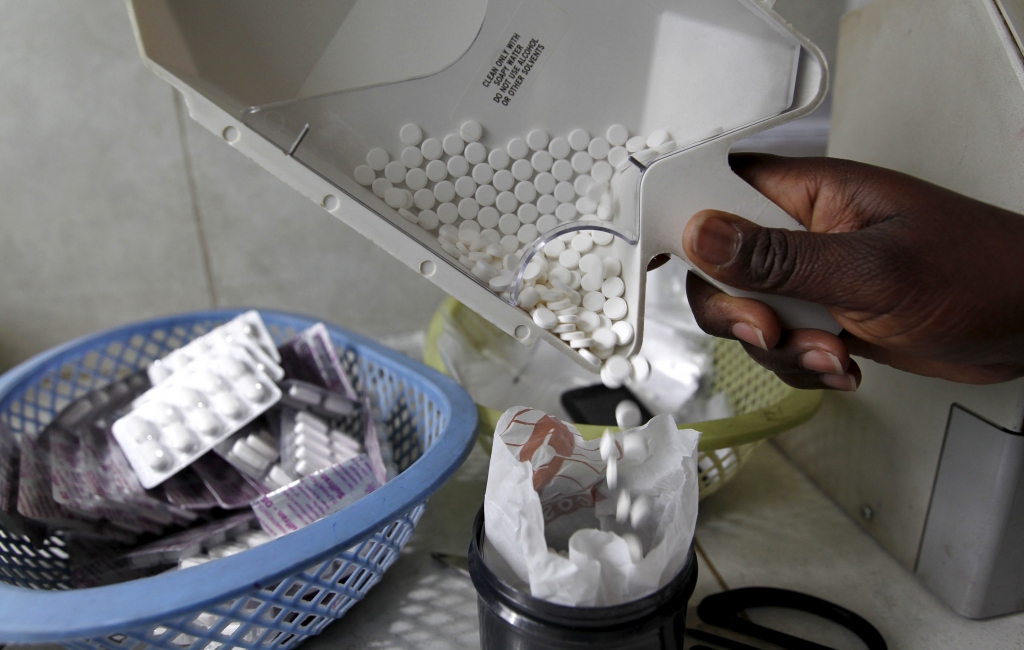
771,264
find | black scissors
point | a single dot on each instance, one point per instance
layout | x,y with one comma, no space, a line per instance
723,610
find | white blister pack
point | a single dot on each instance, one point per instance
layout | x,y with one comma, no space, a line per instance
191,411
247,330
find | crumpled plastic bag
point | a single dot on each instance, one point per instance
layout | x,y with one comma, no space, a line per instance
547,488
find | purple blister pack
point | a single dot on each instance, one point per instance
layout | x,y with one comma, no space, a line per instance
186,490
311,357
228,485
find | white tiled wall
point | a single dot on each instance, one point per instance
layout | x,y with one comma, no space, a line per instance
100,224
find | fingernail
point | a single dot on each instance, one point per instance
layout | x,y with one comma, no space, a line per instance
717,241
821,361
845,382
749,334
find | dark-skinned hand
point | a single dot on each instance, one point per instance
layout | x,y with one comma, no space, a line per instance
920,278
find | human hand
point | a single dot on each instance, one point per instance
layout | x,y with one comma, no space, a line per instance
920,278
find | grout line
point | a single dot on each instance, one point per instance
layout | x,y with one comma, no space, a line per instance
718,576
179,110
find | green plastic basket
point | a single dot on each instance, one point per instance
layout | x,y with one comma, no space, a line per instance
763,404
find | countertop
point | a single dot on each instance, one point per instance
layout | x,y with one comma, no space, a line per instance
769,527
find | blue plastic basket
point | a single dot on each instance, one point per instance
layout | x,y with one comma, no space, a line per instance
272,596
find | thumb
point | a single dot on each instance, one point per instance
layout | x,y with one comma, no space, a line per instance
818,267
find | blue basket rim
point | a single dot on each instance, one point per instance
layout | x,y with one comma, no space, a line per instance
31,616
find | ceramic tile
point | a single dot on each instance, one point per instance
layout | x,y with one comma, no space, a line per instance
771,527
96,225
270,246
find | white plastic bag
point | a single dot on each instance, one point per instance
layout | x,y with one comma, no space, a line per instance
546,488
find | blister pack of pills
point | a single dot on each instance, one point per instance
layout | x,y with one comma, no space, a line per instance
309,444
231,489
191,411
186,490
316,496
9,454
170,550
245,330
312,358
256,452
322,402
233,546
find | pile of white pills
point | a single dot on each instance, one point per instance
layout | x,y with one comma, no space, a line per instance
487,204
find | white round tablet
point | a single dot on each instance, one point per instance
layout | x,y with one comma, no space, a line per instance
453,144
527,233
501,282
468,208
579,139
546,223
537,139
541,161
617,156
565,192
486,195
582,162
613,287
657,138
528,298
586,205
437,171
444,191
562,170
528,213
525,192
559,148
593,301
554,248
510,243
449,232
395,198
395,171
428,219
465,186
569,258
604,338
522,170
447,212
547,204
589,321
545,183
614,308
410,134
498,159
506,202
509,224
471,131
636,143
424,199
458,166
618,368
602,238
416,179
517,148
483,173
377,159
566,212
545,318
602,171
582,184
475,153
591,282
582,243
627,414
408,202
623,332
488,217
617,135
411,157
591,263
598,148
503,180
432,149
533,270
364,175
